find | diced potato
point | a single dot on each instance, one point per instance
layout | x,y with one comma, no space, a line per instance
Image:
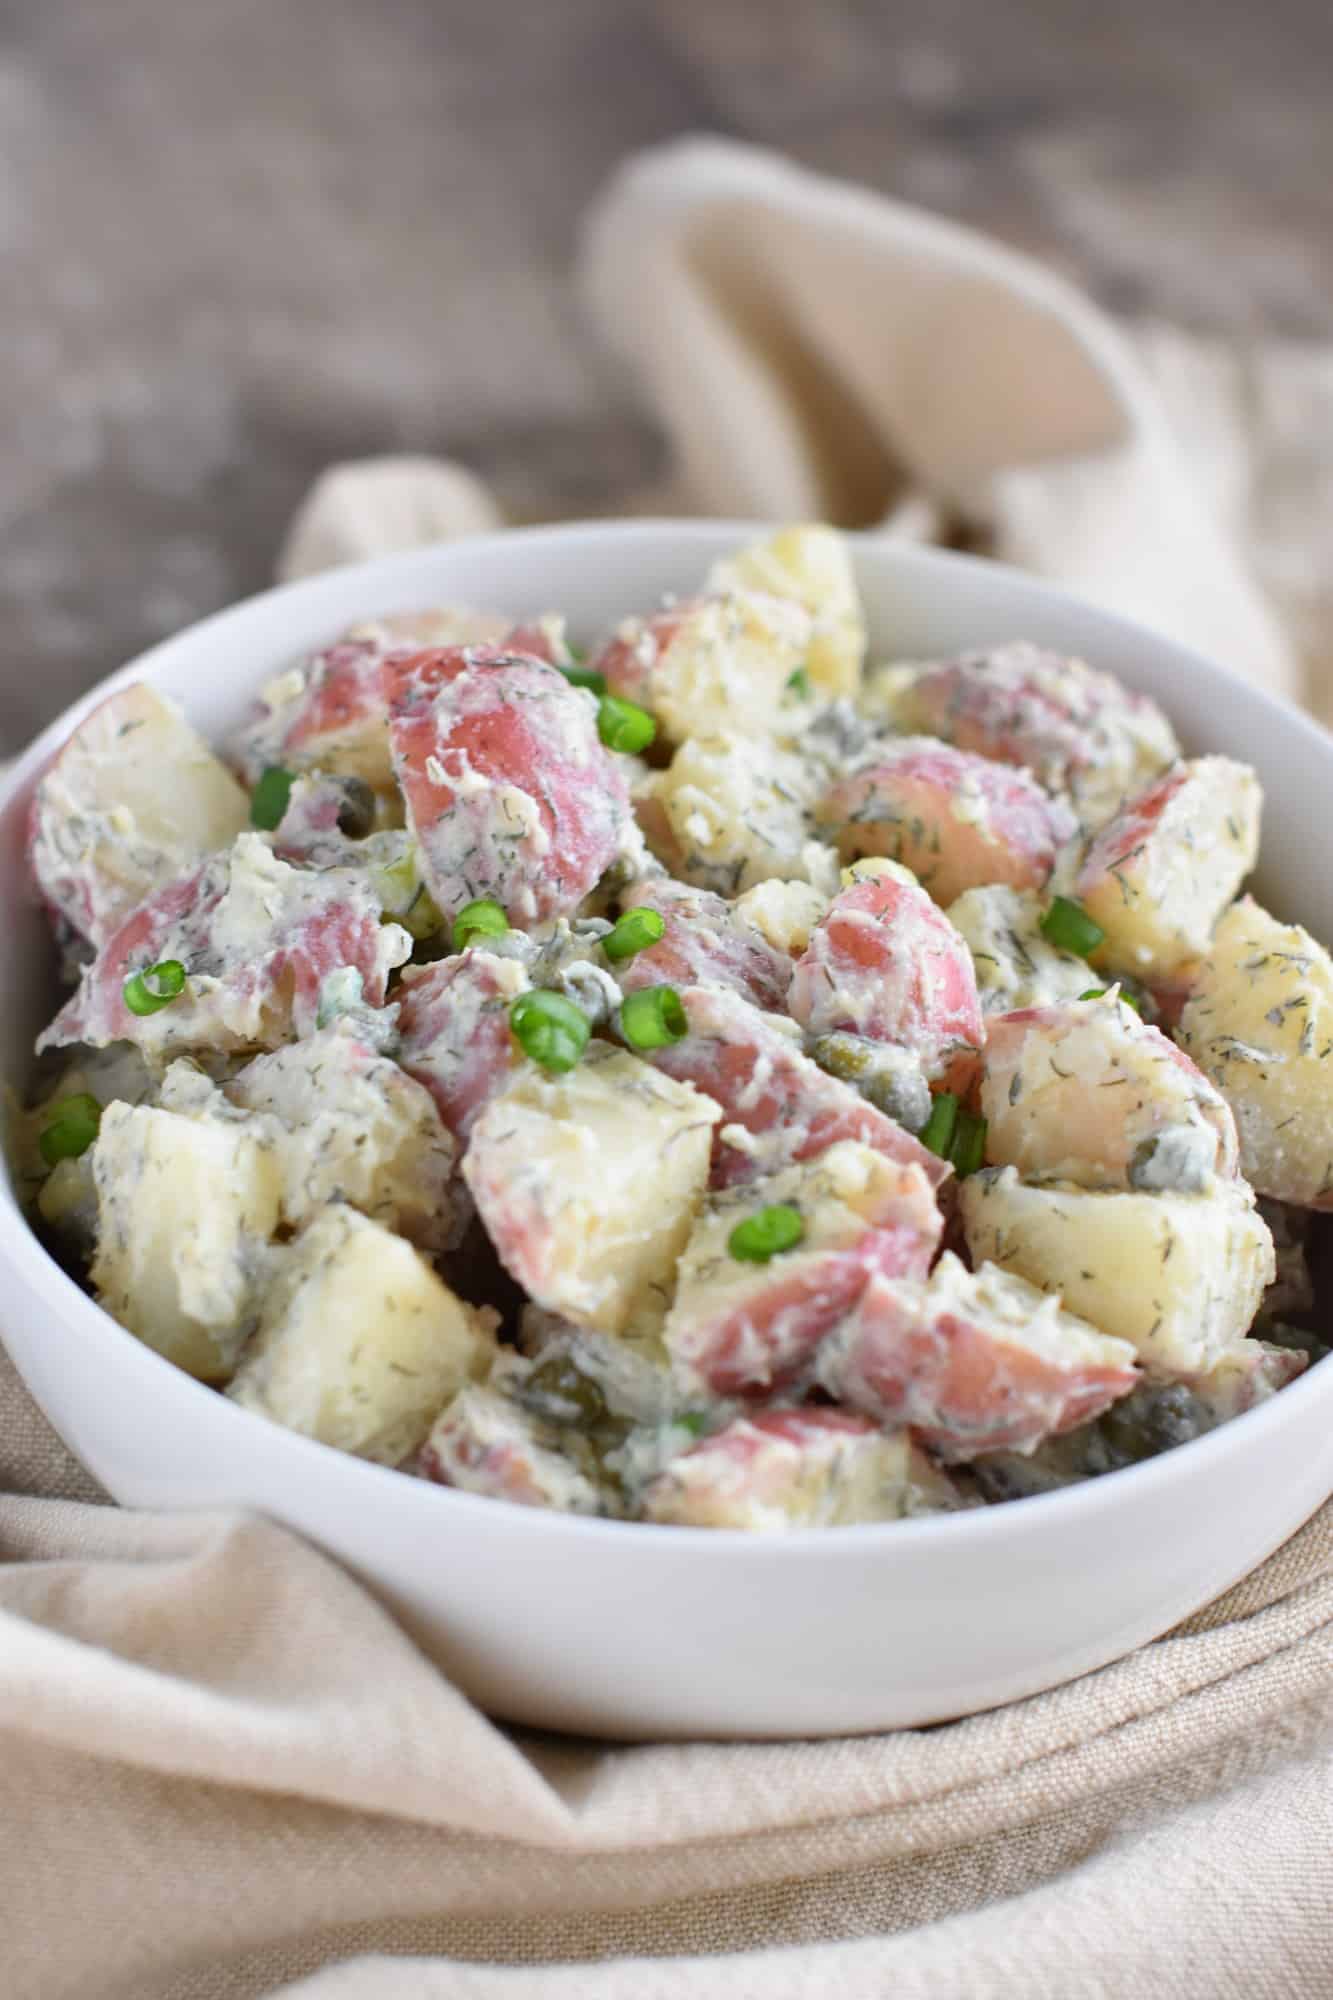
587,1183
454,1021
1015,965
734,811
1248,1375
1180,1276
1259,1022
1159,875
436,625
783,1469
705,944
958,821
810,564
1088,1092
484,1442
784,913
186,1209
67,1204
329,715
359,1343
737,1327
355,1128
510,794
134,799
713,663
258,940
972,1361
885,963
779,1107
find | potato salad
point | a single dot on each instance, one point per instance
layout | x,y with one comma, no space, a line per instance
700,1075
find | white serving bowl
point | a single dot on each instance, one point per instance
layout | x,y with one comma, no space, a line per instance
636,1631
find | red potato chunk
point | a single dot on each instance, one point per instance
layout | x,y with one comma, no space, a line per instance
1077,730
453,1019
972,1361
778,1106
886,963
1159,875
737,1328
705,944
783,1469
1088,1092
258,940
484,1442
1253,1371
509,791
130,802
958,821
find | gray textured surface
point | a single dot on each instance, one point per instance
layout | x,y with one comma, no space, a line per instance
244,237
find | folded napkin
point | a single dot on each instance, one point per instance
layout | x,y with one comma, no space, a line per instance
226,1772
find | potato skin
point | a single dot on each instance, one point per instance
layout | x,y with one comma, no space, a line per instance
781,1469
1259,1023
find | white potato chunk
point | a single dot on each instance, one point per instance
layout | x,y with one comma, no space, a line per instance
782,1469
811,564
355,1128
1180,1276
711,663
1088,1092
735,1325
733,811
587,1183
1259,1022
186,1208
359,1343
1015,965
784,913
134,798
1159,875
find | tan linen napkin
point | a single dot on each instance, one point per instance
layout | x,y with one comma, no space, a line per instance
225,1769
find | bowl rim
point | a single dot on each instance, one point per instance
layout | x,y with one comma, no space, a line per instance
1022,1518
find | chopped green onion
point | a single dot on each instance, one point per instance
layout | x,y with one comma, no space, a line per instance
1100,993
799,684
578,654
146,991
968,1149
937,1132
550,1029
623,725
693,1421
653,1018
580,676
480,919
72,1128
766,1233
1069,927
268,801
636,931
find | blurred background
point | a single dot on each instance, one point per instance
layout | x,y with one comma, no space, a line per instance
243,238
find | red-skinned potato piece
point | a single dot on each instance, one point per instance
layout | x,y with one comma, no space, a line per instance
738,1327
509,791
704,944
972,1361
257,940
453,1020
885,963
958,821
781,1469
778,1107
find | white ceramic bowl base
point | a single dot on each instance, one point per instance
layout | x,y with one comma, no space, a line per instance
633,1631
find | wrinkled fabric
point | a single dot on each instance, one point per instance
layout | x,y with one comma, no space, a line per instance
227,1773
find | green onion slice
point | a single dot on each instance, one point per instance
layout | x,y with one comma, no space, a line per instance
1069,927
268,801
584,677
937,1132
550,1029
1100,993
969,1144
636,931
766,1233
798,684
653,1018
146,992
480,919
72,1128
623,725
